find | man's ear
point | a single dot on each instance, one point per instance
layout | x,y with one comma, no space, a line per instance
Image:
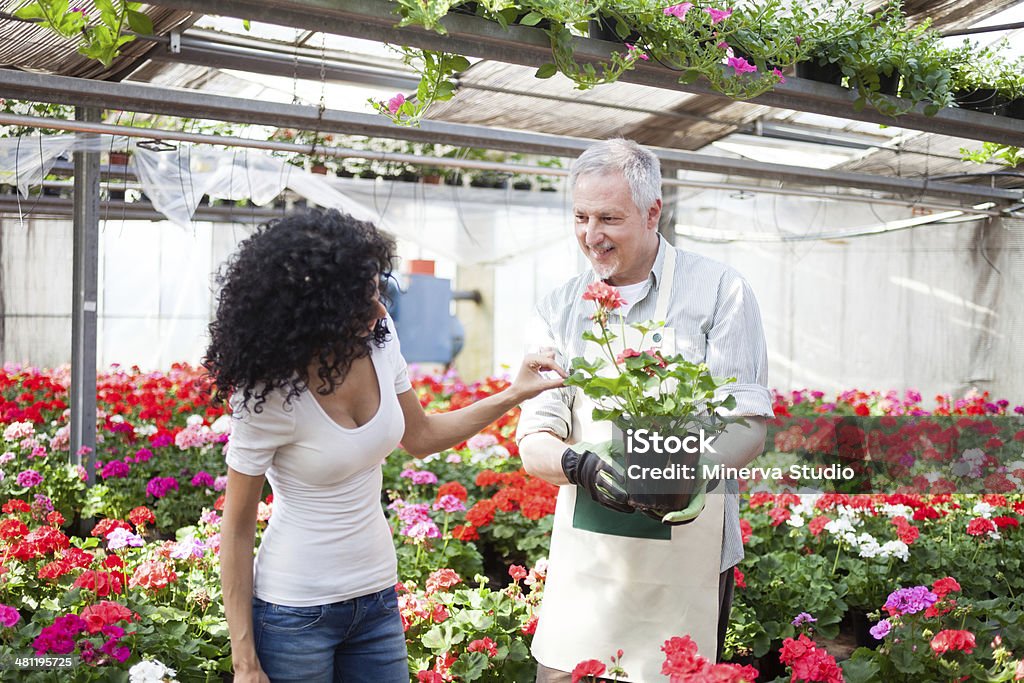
654,214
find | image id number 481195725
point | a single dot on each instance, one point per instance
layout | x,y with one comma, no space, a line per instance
37,662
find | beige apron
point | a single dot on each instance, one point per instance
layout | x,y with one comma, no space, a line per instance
626,581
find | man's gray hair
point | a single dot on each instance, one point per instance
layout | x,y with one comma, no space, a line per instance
639,166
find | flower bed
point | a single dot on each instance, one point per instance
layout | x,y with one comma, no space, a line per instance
139,588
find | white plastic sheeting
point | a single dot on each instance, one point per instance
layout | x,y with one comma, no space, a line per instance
467,225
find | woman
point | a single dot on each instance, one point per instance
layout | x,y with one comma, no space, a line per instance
304,348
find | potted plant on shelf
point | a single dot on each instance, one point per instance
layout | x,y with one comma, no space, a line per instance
976,72
831,33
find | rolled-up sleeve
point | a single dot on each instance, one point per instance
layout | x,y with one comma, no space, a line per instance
736,348
550,411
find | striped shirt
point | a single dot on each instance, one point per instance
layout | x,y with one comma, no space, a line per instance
716,321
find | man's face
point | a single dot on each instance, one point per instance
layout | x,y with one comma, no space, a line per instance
618,239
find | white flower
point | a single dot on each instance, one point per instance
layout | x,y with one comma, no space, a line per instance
839,526
983,509
868,545
795,521
896,548
146,430
151,671
896,511
194,420
117,419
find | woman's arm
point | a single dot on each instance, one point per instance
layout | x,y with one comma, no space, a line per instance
238,532
426,434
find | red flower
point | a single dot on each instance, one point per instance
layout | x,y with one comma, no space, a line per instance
741,579
681,657
1006,522
949,640
817,525
604,295
55,519
779,515
142,515
530,627
461,532
438,614
979,526
589,667
809,663
152,574
427,676
485,645
944,587
12,528
746,531
15,505
452,488
482,513
105,526
105,613
100,583
517,572
906,531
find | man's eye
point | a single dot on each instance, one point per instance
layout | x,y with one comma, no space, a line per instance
581,219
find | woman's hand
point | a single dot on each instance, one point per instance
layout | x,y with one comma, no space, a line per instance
251,676
530,381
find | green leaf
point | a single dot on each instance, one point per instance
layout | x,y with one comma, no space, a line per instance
34,11
246,24
531,19
546,71
140,23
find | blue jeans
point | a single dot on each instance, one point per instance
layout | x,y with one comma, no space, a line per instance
354,640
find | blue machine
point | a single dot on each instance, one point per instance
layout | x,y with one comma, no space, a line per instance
428,330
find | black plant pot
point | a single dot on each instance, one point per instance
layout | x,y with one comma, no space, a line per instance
466,8
985,100
603,28
889,85
522,185
829,72
1015,109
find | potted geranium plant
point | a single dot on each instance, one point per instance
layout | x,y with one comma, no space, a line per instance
643,388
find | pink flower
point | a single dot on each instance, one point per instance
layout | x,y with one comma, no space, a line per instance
679,10
604,295
778,72
588,667
718,15
395,103
640,55
741,66
8,616
485,645
449,503
723,45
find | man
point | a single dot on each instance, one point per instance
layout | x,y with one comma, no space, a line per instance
617,579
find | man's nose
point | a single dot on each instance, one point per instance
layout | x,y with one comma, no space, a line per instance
592,232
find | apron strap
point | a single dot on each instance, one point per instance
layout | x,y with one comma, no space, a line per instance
665,280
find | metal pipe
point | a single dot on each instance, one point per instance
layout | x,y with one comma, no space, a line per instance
551,144
85,287
229,141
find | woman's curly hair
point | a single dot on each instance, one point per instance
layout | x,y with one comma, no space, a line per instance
301,289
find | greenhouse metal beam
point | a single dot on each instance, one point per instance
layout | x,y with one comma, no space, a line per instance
85,285
193,104
474,36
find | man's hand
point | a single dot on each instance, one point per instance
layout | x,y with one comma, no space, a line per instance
602,480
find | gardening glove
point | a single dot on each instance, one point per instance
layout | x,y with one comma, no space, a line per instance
592,467
690,513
